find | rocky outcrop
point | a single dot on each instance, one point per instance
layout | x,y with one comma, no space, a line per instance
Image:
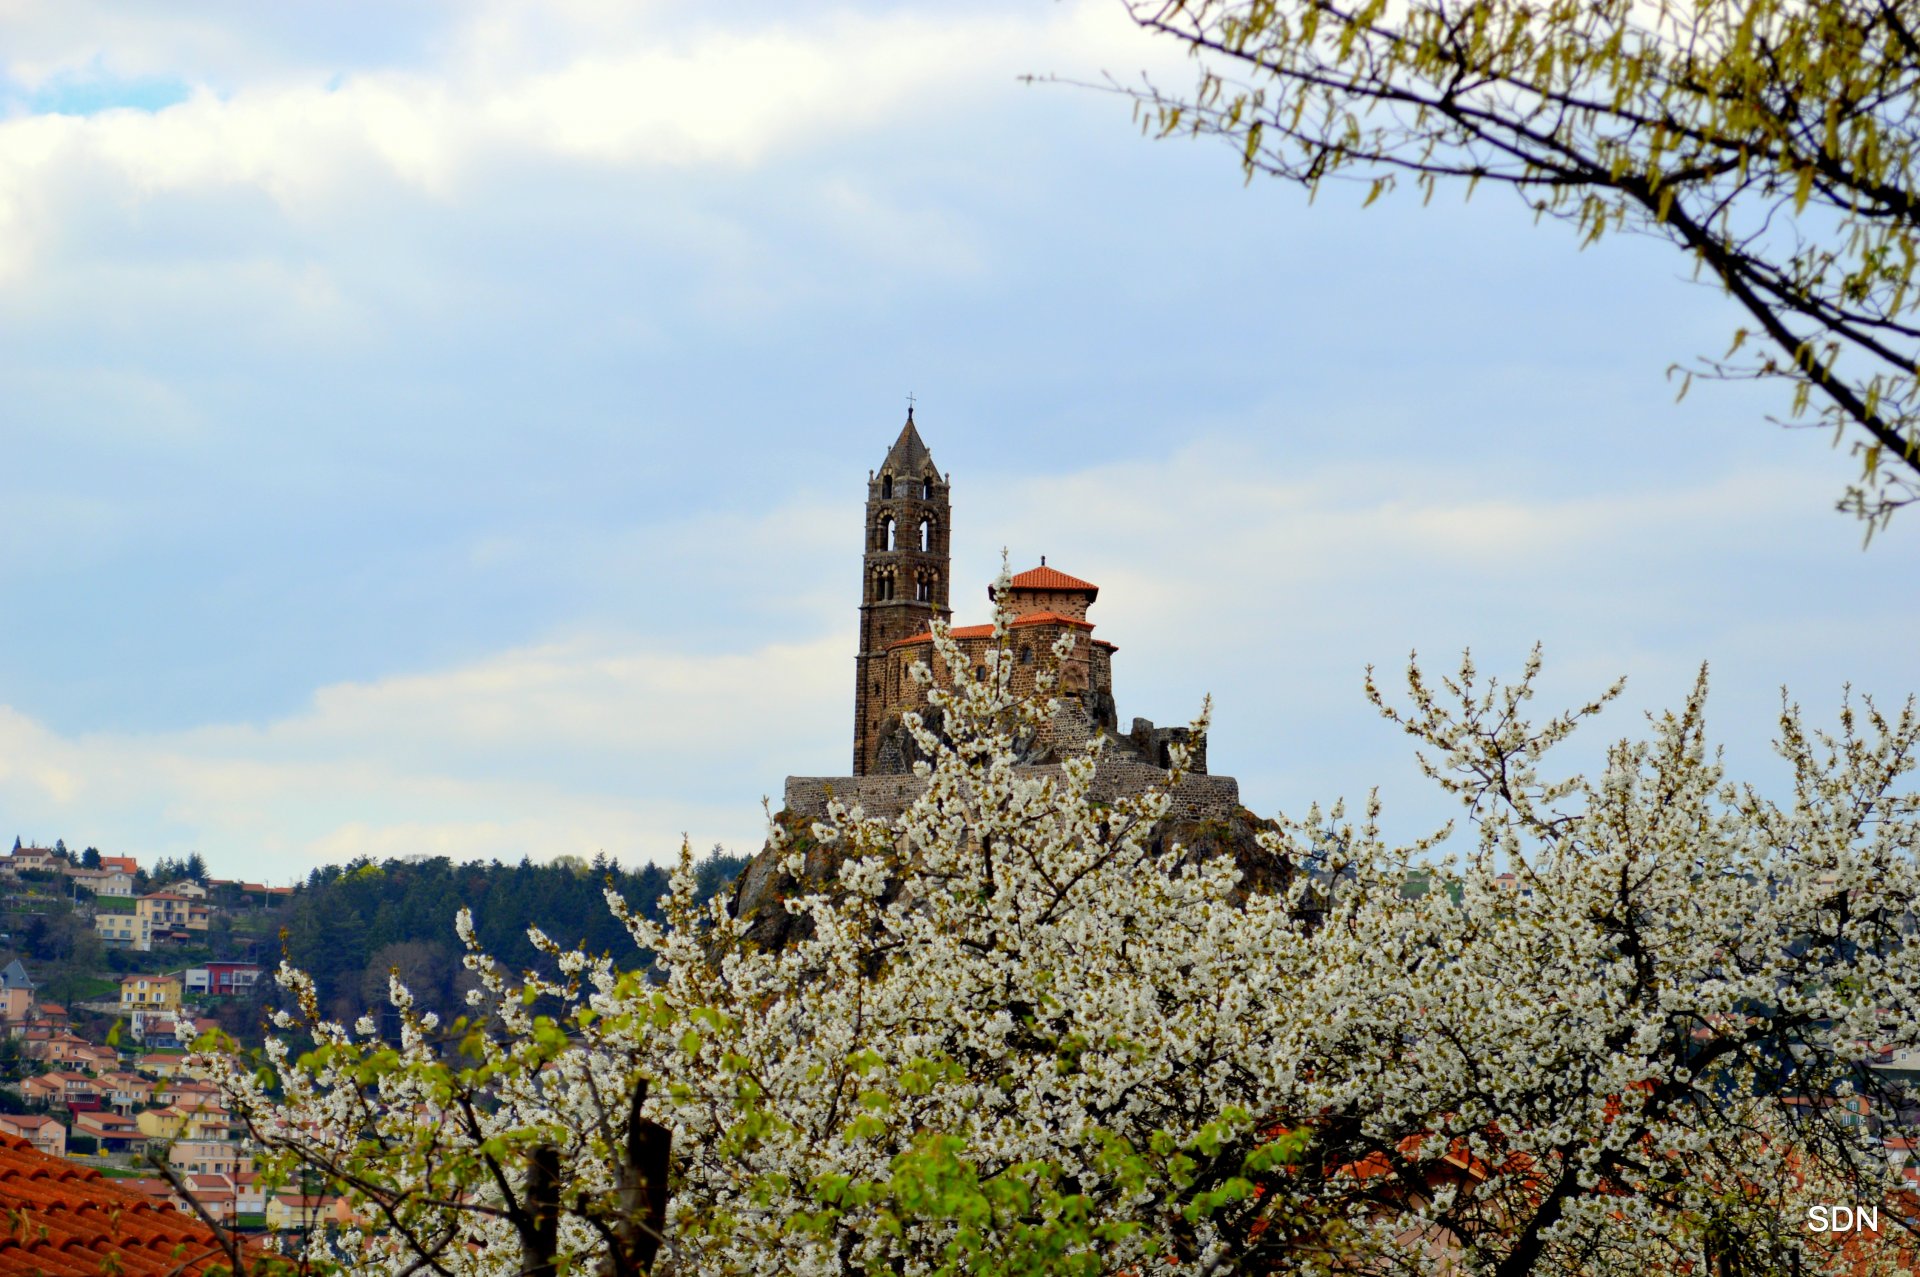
764,885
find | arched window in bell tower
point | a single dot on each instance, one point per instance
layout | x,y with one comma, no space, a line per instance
886,487
926,488
926,535
889,539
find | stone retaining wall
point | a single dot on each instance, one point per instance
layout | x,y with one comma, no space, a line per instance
1197,797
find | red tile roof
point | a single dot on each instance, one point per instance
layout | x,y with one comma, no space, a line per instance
1049,618
958,631
986,631
1046,578
63,1220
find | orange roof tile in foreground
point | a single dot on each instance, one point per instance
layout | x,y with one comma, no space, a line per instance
63,1220
1046,578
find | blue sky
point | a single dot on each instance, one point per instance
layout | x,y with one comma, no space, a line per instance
444,429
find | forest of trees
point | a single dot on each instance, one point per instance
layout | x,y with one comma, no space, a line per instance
349,925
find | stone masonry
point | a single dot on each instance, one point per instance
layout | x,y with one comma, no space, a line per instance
905,576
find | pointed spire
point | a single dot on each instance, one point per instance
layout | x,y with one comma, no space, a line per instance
909,456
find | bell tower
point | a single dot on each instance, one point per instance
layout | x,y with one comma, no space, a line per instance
904,573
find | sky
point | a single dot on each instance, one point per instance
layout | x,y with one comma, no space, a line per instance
443,428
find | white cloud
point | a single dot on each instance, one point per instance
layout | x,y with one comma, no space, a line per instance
1271,594
582,746
655,93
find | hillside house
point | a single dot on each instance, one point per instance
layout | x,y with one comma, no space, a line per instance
41,858
102,882
214,1193
123,1091
296,1212
170,915
113,1132
222,979
149,992
208,1157
162,1029
45,1134
76,1091
16,993
57,1046
178,1121
123,931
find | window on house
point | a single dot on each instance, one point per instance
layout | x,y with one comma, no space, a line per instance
1026,656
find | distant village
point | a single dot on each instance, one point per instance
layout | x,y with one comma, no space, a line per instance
101,1079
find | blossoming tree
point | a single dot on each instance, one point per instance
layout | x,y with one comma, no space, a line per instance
1015,1038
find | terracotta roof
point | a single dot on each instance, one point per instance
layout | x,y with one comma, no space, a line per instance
1046,578
958,631
63,1220
1049,618
986,631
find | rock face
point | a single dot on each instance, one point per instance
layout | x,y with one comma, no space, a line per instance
763,886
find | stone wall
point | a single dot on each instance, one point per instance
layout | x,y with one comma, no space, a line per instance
1197,797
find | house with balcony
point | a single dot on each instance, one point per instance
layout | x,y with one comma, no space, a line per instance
208,1157
75,1091
124,1091
149,992
45,1134
187,1122
123,931
170,915
222,979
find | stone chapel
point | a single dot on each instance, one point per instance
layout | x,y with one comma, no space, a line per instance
906,571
